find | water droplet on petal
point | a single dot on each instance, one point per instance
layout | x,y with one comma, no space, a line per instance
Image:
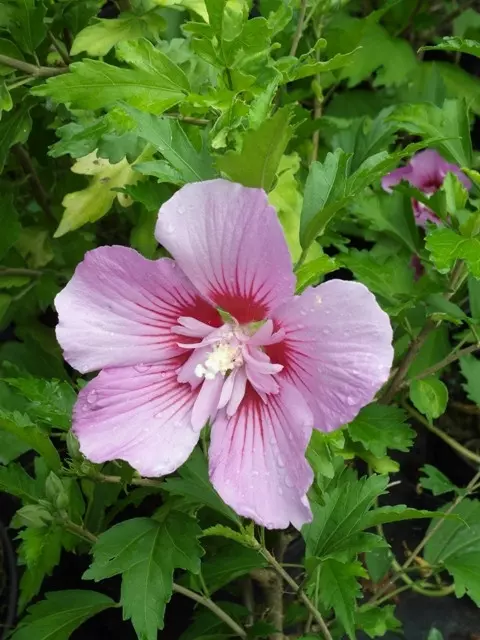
141,368
280,462
289,482
91,397
303,312
169,228
351,401
326,331
280,491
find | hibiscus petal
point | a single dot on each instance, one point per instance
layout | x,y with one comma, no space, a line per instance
229,242
143,418
395,177
337,349
119,309
257,458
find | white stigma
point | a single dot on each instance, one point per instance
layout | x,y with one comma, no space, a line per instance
222,359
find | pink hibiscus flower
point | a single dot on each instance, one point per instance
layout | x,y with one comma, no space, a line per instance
263,372
426,171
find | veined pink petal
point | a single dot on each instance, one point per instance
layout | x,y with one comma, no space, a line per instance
337,349
143,418
229,242
119,309
257,458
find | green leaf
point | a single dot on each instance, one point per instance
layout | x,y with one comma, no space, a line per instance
337,529
22,427
311,272
93,202
390,277
434,634
446,246
98,38
228,563
430,396
16,481
40,551
429,121
57,617
170,139
343,590
378,563
27,23
391,213
459,45
11,447
456,545
50,401
10,224
142,55
436,482
470,368
14,127
322,450
8,48
331,185
194,484
379,427
325,194
474,297
376,621
207,626
146,552
257,162
92,84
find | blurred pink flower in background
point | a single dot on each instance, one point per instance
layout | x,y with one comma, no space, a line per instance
426,171
263,372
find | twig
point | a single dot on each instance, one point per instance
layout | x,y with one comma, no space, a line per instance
437,526
299,29
209,604
33,70
272,586
82,532
471,409
138,482
466,453
297,590
38,191
59,47
14,271
453,357
397,380
201,122
456,279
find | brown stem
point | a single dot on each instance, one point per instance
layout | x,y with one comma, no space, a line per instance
466,453
297,590
32,69
453,357
38,191
272,585
397,380
299,29
471,409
